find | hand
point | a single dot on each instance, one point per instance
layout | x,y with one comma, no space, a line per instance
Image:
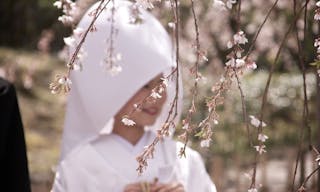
133,187
138,187
168,187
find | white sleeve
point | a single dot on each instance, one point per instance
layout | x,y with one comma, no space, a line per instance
58,183
199,180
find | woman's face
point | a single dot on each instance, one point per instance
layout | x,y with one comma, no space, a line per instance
149,110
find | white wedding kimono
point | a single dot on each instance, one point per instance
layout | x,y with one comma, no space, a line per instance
92,161
108,164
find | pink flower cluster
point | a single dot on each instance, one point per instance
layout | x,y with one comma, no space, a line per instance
69,10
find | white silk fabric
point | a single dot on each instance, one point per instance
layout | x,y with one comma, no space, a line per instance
106,165
95,160
95,95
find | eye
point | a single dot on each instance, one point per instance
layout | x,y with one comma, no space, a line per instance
147,86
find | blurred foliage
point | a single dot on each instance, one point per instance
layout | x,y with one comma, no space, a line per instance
283,113
22,22
42,113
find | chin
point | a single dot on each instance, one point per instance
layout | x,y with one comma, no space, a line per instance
148,123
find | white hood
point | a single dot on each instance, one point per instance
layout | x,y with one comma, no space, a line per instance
95,95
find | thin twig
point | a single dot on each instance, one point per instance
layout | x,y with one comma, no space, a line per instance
305,114
259,29
265,94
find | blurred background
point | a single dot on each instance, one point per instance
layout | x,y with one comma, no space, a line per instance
31,41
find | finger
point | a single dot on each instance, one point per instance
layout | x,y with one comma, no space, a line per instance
172,187
135,187
157,187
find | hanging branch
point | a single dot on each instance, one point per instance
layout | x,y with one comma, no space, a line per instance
63,82
259,29
186,123
243,101
265,94
148,152
305,114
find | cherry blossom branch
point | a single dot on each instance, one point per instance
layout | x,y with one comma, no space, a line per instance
305,114
63,82
302,188
259,29
186,123
148,152
264,99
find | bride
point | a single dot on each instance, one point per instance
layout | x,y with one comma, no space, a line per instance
101,137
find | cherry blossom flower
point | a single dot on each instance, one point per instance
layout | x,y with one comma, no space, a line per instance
231,62
69,9
317,42
253,190
260,149
185,126
317,16
126,121
240,63
205,143
240,38
229,44
302,189
171,25
111,64
262,137
165,82
58,4
251,65
78,31
230,3
114,70
154,94
318,160
65,19
219,5
256,122
61,83
69,41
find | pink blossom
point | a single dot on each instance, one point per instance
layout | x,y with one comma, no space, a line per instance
240,38
78,31
155,95
253,190
127,121
317,42
58,4
229,44
251,65
231,62
318,159
317,16
240,62
205,143
262,137
171,25
230,3
260,149
114,70
256,122
69,41
65,19
219,5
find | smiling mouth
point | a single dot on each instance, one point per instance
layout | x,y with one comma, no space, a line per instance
150,111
